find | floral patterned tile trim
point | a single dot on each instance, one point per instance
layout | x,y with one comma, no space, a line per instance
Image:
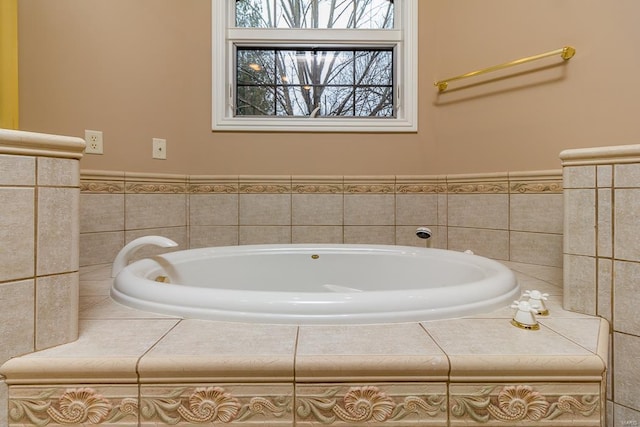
406,404
112,405
526,404
400,404
209,404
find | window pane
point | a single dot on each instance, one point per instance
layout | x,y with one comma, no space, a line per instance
374,67
322,82
374,101
255,101
254,13
255,66
364,14
295,100
374,14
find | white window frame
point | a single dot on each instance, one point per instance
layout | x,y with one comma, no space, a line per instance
404,39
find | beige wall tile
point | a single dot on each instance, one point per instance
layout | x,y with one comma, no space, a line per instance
17,170
580,284
213,209
479,211
536,248
17,215
623,416
4,400
371,235
58,230
440,238
58,172
443,212
316,234
604,176
541,213
16,318
155,210
580,222
56,310
100,248
626,365
605,286
416,209
369,209
626,225
101,212
579,177
206,236
265,209
489,243
625,297
605,223
627,175
264,234
317,209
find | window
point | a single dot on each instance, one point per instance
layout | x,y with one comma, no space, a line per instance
315,65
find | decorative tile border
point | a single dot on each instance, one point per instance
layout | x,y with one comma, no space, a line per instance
400,404
546,182
536,187
265,184
73,405
369,184
208,404
317,185
543,182
101,187
523,404
213,184
423,404
420,185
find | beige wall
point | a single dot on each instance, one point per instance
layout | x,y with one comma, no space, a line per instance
141,69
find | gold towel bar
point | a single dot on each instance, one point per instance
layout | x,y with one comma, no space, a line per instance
566,53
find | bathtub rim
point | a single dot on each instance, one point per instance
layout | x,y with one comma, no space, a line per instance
152,296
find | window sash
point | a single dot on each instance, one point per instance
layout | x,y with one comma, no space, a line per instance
225,38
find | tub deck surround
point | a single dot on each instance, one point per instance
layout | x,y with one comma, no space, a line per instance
133,368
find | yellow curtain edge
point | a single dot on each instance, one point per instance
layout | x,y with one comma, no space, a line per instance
9,95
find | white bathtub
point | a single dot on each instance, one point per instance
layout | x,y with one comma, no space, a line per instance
316,284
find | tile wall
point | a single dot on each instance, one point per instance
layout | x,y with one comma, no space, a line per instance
602,260
509,216
39,231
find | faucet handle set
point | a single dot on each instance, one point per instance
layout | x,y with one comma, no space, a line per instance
526,311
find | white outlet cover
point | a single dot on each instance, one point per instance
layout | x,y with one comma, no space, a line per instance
159,148
94,142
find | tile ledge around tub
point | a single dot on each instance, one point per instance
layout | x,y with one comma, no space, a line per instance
24,143
520,367
601,155
63,370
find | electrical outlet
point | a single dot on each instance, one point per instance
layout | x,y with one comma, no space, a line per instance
93,139
159,149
